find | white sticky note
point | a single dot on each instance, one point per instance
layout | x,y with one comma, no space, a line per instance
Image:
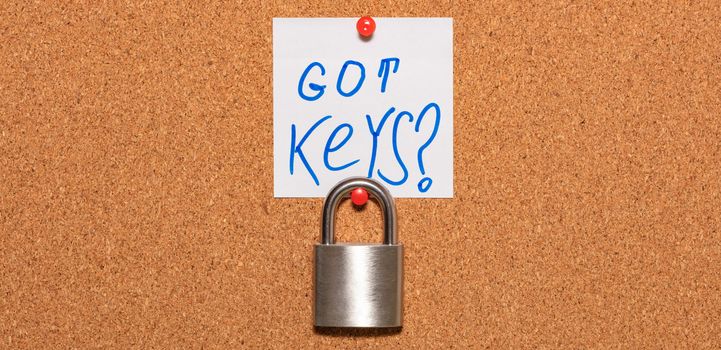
379,108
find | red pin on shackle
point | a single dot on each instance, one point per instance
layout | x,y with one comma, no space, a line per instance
366,26
359,196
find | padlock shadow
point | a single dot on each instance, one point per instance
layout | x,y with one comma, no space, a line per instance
357,332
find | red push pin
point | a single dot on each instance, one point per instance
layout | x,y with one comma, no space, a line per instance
366,26
359,196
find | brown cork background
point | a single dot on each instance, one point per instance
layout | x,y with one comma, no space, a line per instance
136,199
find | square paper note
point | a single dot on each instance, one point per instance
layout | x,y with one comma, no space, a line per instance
380,108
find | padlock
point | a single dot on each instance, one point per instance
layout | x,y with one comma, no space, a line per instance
358,285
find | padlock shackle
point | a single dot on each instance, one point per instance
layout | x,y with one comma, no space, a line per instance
376,190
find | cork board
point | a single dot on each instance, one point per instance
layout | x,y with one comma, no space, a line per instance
137,209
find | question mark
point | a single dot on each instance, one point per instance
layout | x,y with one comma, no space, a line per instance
426,182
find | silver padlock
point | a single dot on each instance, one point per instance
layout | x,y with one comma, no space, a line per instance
358,285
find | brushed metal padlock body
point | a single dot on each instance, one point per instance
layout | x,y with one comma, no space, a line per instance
358,285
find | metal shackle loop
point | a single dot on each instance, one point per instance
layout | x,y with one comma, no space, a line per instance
376,190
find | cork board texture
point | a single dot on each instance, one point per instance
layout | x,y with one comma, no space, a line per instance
136,199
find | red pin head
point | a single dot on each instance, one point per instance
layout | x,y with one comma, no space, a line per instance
359,196
366,26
